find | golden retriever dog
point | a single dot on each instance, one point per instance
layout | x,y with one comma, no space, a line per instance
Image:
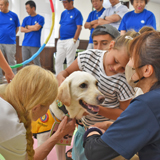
79,93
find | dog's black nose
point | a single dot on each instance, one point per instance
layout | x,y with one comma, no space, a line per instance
100,99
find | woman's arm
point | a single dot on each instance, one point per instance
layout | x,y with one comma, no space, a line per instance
64,128
95,148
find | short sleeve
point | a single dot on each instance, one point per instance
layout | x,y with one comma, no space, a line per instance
132,130
17,21
41,21
24,22
81,59
103,14
151,21
89,17
122,25
122,10
79,18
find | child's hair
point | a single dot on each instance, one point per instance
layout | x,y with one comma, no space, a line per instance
146,29
124,40
31,86
145,50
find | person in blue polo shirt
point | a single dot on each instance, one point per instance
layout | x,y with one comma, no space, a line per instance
9,26
137,18
32,26
70,27
92,21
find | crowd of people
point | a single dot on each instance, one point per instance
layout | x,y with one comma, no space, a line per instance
121,55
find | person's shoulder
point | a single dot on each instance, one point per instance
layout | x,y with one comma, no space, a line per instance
108,8
93,12
75,9
40,15
128,14
95,52
123,6
25,18
148,12
13,14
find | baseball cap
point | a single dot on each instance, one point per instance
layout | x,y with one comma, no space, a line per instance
108,29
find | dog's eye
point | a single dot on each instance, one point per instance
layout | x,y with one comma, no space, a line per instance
83,85
97,84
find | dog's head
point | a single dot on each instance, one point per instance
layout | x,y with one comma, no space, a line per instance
79,93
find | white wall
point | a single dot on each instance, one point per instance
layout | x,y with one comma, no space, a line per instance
85,6
155,8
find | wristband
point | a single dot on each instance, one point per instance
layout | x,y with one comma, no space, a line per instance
74,40
91,130
27,26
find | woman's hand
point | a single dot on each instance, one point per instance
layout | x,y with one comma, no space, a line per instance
66,126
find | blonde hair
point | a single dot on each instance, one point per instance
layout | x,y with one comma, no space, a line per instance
122,41
31,86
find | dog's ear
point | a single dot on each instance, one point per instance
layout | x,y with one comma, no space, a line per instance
64,93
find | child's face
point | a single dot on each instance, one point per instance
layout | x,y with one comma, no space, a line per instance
115,61
102,42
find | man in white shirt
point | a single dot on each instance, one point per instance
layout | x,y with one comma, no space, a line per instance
113,14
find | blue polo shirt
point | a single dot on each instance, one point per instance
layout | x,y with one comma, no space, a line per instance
137,129
136,21
94,15
69,21
32,39
8,25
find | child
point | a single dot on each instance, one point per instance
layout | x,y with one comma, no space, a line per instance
108,67
5,67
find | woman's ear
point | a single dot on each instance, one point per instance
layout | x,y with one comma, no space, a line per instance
111,45
148,70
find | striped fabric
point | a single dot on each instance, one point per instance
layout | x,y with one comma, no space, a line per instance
115,88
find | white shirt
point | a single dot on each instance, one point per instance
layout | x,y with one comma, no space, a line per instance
12,133
118,9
